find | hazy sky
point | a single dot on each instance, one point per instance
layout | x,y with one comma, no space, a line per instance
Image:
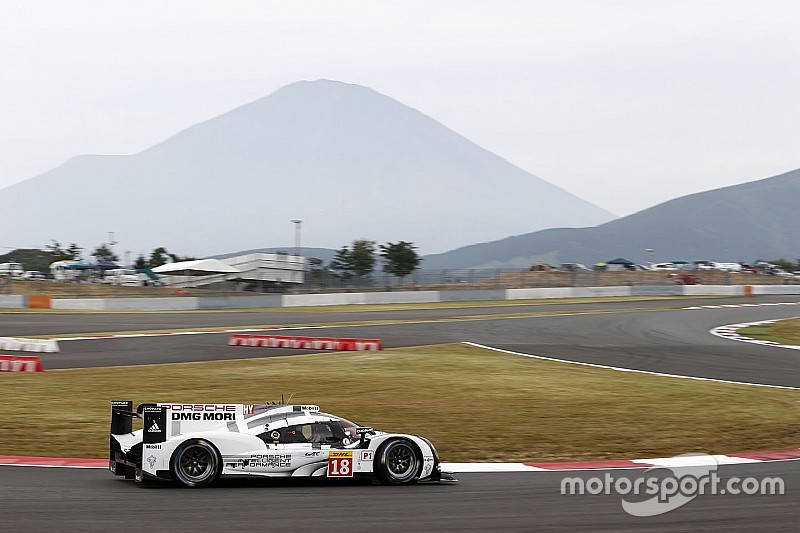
624,103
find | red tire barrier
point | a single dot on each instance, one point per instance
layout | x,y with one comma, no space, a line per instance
304,343
20,363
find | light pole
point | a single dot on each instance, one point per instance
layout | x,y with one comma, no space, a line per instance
297,226
651,254
111,243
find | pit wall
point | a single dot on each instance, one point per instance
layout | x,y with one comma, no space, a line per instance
354,298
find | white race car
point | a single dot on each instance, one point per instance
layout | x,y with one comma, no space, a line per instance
195,444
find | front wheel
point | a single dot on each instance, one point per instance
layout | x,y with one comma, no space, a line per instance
397,462
196,463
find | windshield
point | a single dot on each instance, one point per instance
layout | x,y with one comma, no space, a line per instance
350,429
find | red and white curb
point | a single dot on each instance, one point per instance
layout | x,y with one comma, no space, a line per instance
52,462
670,462
731,332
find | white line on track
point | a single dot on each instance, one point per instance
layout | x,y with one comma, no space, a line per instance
621,369
731,332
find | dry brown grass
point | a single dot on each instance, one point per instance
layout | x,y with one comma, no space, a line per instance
476,405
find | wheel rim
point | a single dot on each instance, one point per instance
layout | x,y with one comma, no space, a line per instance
401,461
196,463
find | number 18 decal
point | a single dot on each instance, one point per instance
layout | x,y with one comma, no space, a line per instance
340,464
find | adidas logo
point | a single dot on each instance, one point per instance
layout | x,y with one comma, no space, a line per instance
154,428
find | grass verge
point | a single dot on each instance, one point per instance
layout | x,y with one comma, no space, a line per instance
476,405
784,331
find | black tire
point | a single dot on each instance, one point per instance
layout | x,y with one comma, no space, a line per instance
196,463
398,462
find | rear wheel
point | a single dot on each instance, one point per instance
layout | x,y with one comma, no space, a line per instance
397,462
196,463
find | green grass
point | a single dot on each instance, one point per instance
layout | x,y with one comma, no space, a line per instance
475,404
784,331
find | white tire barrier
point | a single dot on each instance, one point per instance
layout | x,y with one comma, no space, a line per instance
28,345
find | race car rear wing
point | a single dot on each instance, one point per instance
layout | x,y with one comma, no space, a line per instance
162,421
122,416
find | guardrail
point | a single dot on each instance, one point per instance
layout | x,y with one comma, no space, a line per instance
187,303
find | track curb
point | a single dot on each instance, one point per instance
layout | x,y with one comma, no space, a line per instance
728,459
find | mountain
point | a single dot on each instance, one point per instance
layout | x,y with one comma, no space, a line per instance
348,161
743,222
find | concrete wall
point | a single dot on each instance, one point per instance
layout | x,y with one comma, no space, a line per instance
545,292
355,298
776,289
713,290
13,302
461,296
589,292
127,304
239,302
656,290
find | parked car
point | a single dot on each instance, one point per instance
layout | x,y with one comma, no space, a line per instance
663,266
13,270
33,275
573,267
123,276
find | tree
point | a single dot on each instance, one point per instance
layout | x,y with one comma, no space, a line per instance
340,265
59,254
158,257
400,259
788,266
104,253
140,262
362,258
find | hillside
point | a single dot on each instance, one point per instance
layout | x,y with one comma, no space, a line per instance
743,222
348,161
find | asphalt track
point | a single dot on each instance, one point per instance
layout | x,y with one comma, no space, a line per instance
663,338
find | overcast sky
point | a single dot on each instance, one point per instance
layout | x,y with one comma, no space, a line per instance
624,103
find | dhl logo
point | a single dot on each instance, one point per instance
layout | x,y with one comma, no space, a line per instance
337,454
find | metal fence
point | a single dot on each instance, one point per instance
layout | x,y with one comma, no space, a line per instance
498,278
319,281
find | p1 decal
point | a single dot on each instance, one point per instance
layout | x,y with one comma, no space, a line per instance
340,463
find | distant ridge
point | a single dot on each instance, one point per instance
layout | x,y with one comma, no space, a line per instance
759,219
348,161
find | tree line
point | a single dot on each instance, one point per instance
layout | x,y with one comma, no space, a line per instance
37,259
351,262
358,260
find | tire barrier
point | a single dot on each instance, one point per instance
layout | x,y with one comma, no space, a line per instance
304,343
29,345
20,363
